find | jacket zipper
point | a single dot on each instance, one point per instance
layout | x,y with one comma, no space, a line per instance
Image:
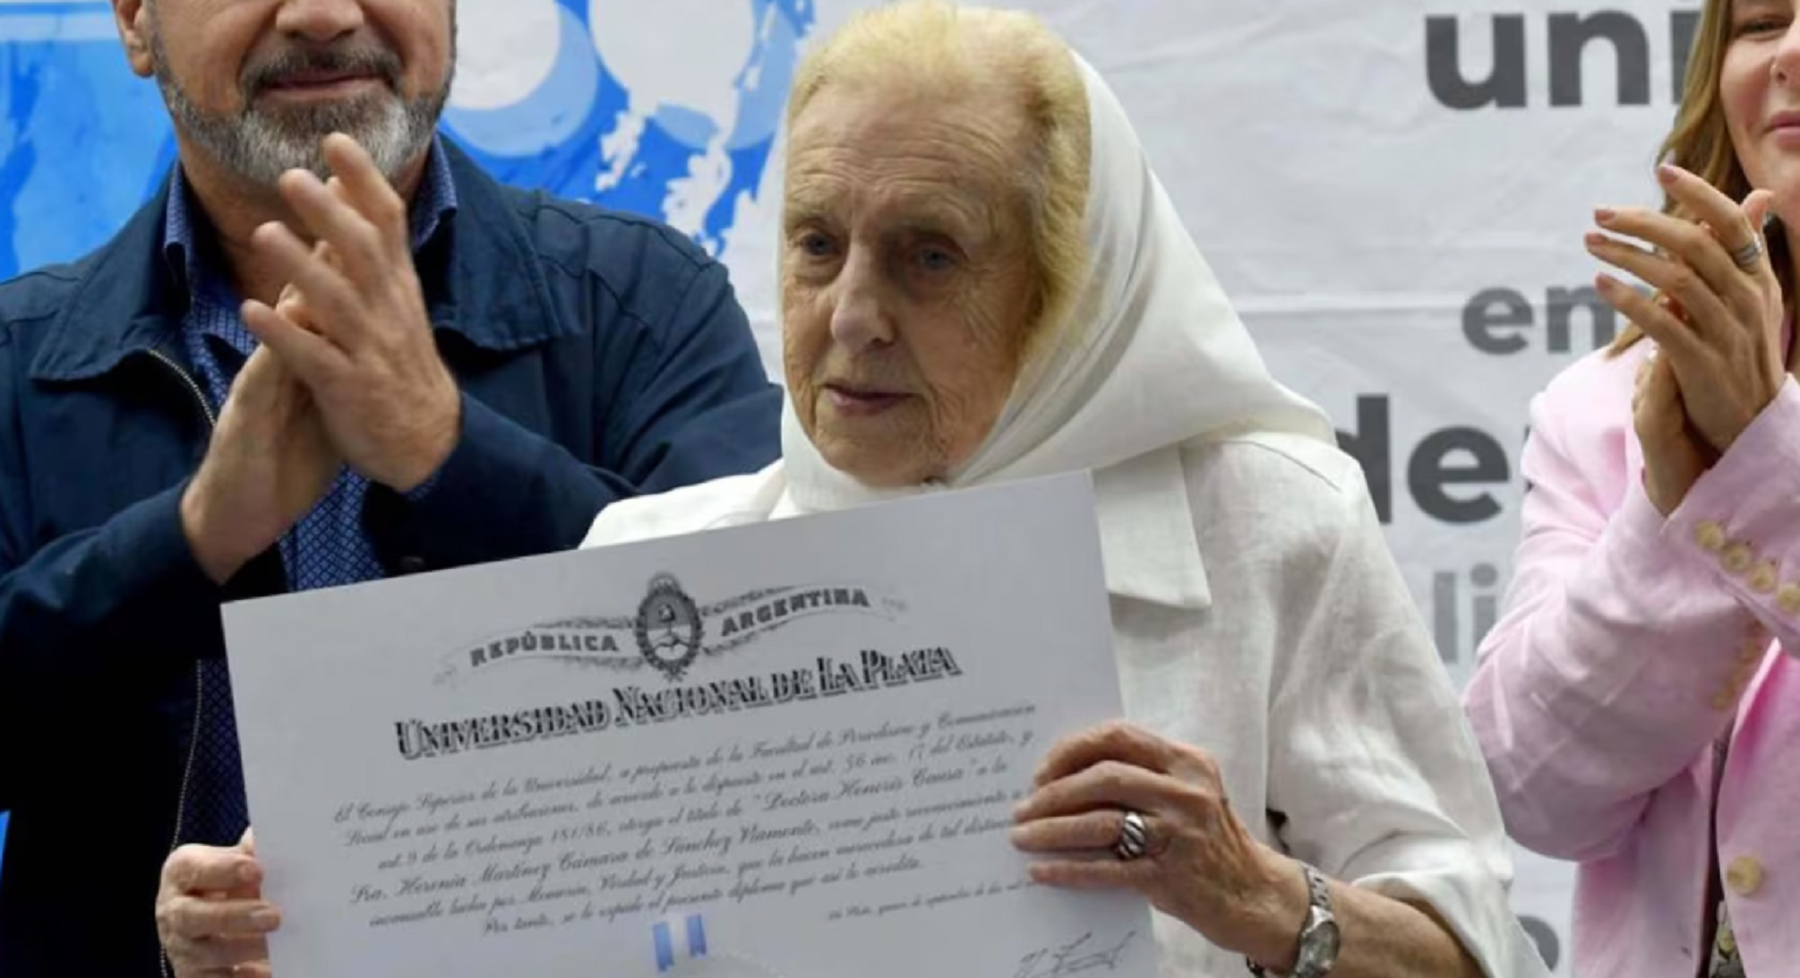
187,771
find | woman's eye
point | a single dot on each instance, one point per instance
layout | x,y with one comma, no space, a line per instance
937,260
816,245
1761,25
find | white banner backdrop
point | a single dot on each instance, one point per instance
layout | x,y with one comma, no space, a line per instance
1394,193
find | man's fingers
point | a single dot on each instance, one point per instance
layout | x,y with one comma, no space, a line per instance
219,956
291,300
247,970
193,869
330,298
312,358
331,219
367,188
197,918
256,383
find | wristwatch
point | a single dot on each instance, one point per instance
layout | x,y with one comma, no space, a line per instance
1318,936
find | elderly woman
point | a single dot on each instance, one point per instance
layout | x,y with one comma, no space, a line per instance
981,280
1637,710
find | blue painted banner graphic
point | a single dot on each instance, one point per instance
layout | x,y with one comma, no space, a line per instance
579,97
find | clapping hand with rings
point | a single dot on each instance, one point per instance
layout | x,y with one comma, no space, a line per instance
1717,324
1118,807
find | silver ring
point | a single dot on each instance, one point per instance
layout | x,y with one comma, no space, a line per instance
1747,256
1134,838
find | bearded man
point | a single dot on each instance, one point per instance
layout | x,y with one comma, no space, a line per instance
329,351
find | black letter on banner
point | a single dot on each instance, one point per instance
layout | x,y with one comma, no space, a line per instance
1428,475
1480,317
1564,302
1570,34
1370,446
1504,87
1683,25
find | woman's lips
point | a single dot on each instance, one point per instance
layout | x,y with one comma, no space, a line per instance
861,401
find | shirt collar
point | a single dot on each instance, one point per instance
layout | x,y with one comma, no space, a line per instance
435,201
483,275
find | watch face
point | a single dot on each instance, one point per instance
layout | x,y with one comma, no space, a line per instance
1318,946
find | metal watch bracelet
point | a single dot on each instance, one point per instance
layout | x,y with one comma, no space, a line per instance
1318,935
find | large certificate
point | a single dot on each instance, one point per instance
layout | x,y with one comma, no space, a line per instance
789,749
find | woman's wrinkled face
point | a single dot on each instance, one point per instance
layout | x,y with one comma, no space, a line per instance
1759,88
907,279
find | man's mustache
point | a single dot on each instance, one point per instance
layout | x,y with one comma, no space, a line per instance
297,62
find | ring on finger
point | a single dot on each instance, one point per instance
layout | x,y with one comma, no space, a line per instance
1747,256
1134,838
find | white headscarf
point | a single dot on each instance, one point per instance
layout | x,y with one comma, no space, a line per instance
1150,357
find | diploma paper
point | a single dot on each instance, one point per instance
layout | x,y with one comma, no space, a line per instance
789,749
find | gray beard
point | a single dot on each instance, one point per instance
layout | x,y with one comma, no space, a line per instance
259,144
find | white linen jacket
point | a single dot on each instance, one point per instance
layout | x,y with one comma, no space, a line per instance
1287,646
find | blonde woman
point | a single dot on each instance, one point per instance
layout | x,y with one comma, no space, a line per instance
982,280
1638,702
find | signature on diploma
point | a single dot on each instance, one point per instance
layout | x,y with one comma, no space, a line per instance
1081,954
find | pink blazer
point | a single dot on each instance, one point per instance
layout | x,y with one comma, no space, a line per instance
1629,646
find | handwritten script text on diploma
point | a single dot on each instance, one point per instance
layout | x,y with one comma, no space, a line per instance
740,823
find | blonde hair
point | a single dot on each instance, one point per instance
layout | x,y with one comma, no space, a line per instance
1701,142
937,47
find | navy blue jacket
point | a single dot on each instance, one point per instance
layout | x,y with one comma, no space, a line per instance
600,355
